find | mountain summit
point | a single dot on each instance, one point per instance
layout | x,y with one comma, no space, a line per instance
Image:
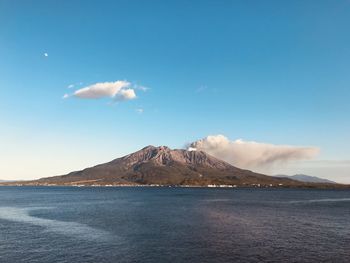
164,156
164,166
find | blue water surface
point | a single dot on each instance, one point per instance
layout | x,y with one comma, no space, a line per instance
155,224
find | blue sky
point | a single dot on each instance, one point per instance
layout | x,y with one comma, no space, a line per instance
275,72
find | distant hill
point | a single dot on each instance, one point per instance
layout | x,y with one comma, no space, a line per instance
307,178
163,166
8,181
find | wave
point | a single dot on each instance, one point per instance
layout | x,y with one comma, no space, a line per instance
321,200
74,229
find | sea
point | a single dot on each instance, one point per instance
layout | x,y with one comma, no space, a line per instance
171,224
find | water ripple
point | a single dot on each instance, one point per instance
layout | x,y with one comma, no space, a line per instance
74,229
320,200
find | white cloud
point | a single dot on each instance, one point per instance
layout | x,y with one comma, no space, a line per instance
102,89
125,94
142,88
46,54
65,96
261,157
140,110
70,86
120,90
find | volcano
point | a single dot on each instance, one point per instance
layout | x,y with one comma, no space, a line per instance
164,166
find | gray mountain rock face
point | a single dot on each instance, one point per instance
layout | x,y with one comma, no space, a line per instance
164,156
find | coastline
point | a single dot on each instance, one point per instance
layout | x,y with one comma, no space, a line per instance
247,186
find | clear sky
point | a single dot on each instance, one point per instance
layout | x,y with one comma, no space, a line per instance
274,72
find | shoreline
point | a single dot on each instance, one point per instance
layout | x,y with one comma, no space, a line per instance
321,187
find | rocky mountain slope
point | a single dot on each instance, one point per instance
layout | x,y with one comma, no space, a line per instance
163,166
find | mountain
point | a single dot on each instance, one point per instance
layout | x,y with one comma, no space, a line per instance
307,178
161,165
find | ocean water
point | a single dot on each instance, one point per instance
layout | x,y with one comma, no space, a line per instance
67,224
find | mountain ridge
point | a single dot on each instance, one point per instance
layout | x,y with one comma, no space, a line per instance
306,178
163,166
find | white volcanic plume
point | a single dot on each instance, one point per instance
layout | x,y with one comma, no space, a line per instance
261,157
